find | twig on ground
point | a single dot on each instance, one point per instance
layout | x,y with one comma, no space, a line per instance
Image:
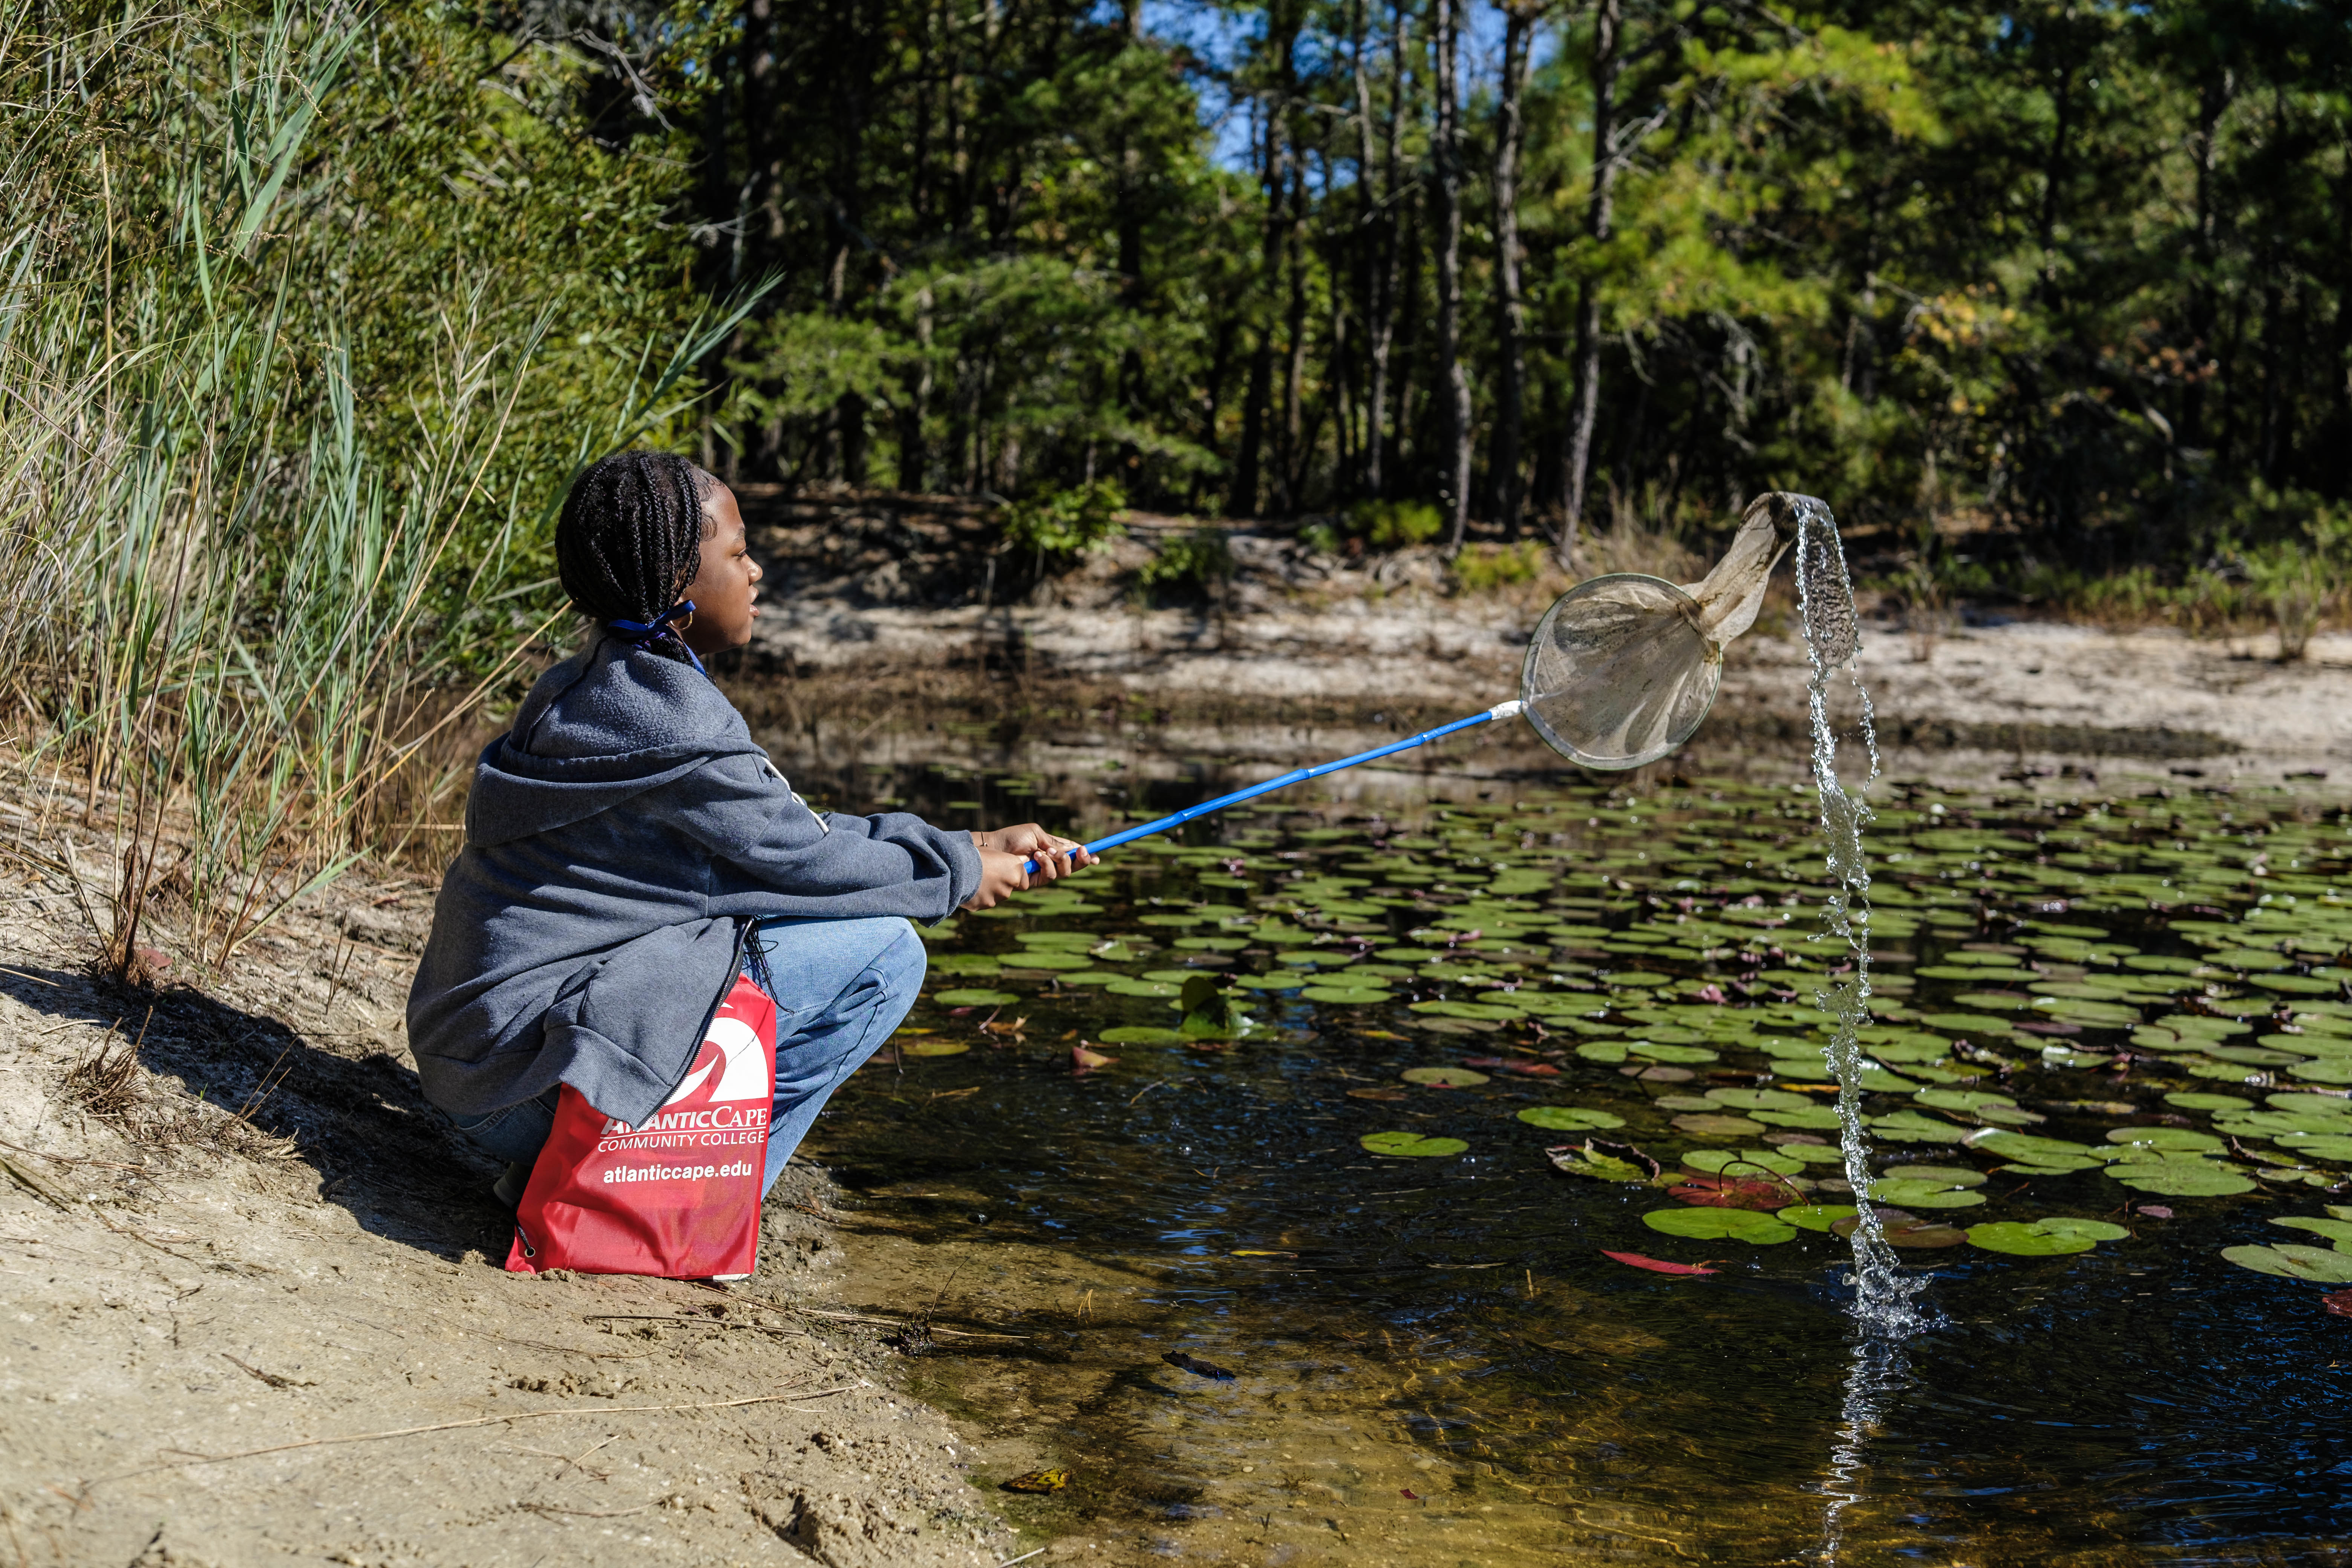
35,1185
273,1379
586,1513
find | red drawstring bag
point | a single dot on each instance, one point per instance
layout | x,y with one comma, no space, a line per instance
678,1196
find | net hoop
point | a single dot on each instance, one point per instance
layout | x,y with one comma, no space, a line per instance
1620,672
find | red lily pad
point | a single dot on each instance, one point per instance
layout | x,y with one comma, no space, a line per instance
1656,1265
1730,1193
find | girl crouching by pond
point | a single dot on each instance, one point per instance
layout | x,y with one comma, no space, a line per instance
629,849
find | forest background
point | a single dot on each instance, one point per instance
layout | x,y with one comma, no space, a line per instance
308,314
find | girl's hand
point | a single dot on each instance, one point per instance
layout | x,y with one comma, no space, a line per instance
1001,875
1054,857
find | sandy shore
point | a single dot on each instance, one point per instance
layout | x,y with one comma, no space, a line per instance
286,1336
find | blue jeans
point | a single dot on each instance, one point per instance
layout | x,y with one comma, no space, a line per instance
844,985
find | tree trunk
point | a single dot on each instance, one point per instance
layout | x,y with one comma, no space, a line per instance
1295,447
1511,388
2203,301
1255,406
1381,224
1608,60
1453,386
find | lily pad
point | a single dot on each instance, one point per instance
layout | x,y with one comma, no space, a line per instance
2197,1100
1817,1216
2031,1149
1585,1161
1925,1194
1465,1010
1758,1099
2339,1231
933,1047
1141,1035
2164,1138
963,997
2314,1263
2097,1229
1348,996
1701,1125
1570,1118
1052,960
1750,1226
1273,980
1410,1144
1818,1118
1655,1051
1127,987
1745,1162
1445,1078
1911,1127
1943,1175
2020,1239
2183,1179
1906,1230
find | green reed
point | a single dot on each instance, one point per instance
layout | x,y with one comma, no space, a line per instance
238,565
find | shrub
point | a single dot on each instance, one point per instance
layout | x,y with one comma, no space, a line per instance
1483,568
1394,524
1064,524
1195,560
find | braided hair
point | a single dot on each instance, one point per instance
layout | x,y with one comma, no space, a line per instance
630,540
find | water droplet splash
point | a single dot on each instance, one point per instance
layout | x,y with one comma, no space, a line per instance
1883,1298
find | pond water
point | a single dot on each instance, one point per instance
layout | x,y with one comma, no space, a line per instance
2107,1078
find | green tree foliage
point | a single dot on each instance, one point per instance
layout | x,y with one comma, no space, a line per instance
2078,269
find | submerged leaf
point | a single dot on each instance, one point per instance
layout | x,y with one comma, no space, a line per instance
1196,1367
1656,1265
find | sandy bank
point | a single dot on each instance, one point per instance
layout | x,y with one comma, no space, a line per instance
214,1324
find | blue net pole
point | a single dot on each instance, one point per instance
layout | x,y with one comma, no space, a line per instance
1299,776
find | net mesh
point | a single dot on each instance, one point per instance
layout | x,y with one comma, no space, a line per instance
1623,669
1619,672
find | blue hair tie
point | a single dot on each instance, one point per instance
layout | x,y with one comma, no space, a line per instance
636,633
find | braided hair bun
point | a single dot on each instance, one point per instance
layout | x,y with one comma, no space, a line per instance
630,540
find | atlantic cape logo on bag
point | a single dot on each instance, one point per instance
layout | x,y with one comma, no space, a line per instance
725,1091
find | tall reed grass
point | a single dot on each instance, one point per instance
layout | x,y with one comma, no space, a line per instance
248,577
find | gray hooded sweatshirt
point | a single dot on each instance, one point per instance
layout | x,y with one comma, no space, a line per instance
617,840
